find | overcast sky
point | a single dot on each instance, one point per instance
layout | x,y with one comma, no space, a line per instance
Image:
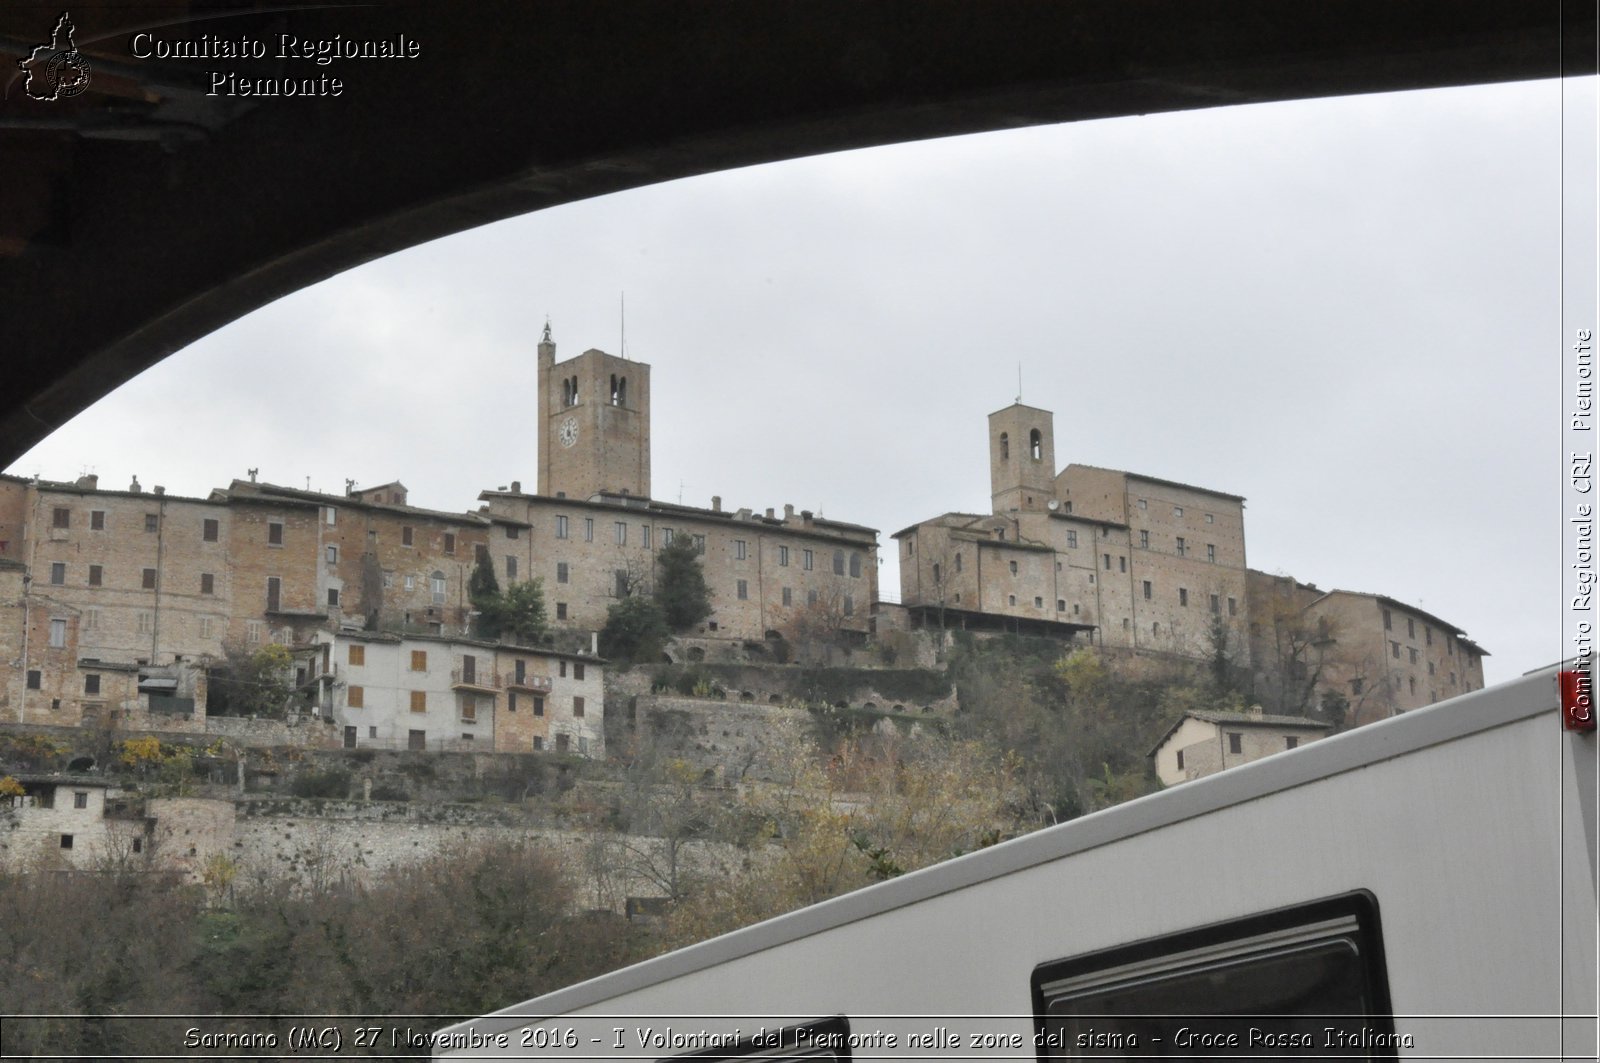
1344,310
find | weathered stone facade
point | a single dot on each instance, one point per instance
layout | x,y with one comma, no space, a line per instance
1122,559
1379,656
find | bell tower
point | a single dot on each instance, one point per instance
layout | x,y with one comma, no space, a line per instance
1022,458
596,419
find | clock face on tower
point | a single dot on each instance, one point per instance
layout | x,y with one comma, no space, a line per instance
568,432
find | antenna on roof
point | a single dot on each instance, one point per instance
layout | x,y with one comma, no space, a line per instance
253,474
622,344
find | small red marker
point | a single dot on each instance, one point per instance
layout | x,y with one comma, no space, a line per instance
1577,700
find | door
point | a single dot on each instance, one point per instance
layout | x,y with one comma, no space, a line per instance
349,737
417,740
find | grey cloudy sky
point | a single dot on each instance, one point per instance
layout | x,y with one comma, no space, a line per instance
1344,310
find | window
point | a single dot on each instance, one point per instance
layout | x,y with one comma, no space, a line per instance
1144,504
1122,563
1211,551
1413,681
1107,558
1233,607
1038,602
66,841
1177,511
561,669
80,799
58,573
356,697
577,670
588,529
209,529
561,572
1061,605
469,710
838,562
1210,519
1395,648
849,605
1182,548
936,572
739,550
149,579
958,562
806,560
666,536
91,619
274,593
511,567
330,515
1355,686
205,627
1144,540
1388,620
512,532
274,533
1411,628
97,520
1013,567
333,596
1072,538
58,633
61,517
620,582
1430,667
1427,633
743,590
561,527
788,596
1147,590
34,678
1290,742
1011,599
1035,445
332,555
252,631
143,620
419,701
855,565
621,529
538,704
419,660
1183,596
1235,742
411,582
1005,447
407,535
577,706
783,556
1180,760
1216,604
437,584
91,685
561,610
811,597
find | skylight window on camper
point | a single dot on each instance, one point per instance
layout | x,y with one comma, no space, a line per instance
1307,981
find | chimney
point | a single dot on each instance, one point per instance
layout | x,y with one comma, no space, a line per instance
134,487
158,489
1255,710
516,487
594,643
744,514
716,503
788,511
769,512
805,517
89,482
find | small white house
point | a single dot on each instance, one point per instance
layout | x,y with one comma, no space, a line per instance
1202,743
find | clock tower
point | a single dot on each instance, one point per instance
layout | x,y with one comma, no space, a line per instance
596,410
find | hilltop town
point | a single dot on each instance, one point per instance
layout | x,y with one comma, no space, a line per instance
138,612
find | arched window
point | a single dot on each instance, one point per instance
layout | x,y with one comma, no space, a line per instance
1035,445
1005,447
619,390
855,564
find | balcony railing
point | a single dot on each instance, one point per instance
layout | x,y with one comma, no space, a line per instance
539,684
476,678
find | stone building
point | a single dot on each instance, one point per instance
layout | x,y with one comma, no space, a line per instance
591,531
1115,557
71,822
1371,654
1203,743
391,691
